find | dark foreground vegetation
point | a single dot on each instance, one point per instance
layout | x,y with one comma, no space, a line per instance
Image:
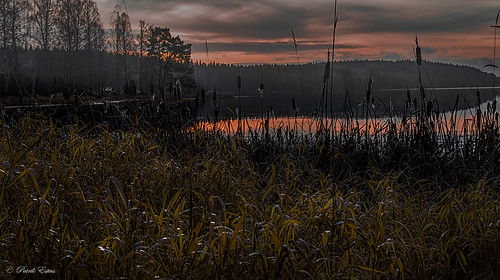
92,201
106,191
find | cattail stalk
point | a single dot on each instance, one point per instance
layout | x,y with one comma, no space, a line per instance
239,96
298,64
261,93
495,52
324,97
419,64
335,20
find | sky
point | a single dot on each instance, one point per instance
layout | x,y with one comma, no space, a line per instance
260,31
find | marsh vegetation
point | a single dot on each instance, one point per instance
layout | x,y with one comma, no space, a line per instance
124,177
90,201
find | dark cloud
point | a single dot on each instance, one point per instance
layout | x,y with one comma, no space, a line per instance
233,19
273,19
266,47
254,22
423,16
265,25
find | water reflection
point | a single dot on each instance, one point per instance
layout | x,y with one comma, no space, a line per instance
465,121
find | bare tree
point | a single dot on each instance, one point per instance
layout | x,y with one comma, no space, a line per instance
64,24
123,32
4,23
94,39
43,31
122,42
67,14
77,22
42,21
13,20
143,29
93,28
79,28
12,28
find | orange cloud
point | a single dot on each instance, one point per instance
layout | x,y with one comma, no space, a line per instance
258,31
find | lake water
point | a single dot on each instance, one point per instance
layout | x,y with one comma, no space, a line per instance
459,122
282,103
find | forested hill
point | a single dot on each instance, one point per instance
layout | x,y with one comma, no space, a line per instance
351,75
305,82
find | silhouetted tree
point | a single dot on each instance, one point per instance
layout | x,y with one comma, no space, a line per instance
142,40
172,56
122,42
67,16
12,28
73,17
94,38
79,25
42,20
13,19
92,27
162,45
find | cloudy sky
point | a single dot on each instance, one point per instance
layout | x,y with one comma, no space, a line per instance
259,31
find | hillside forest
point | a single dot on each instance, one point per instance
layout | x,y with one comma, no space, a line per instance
391,81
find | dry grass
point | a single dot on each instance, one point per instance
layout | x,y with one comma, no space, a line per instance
93,203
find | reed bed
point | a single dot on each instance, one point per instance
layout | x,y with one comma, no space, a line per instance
87,201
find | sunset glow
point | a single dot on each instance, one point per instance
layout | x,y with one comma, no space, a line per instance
461,123
260,31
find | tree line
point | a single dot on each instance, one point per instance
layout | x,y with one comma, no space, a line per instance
50,47
288,86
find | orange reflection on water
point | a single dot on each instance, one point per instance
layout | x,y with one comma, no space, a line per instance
259,125
299,125
463,122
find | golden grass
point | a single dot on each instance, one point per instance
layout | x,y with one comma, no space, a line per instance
93,203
